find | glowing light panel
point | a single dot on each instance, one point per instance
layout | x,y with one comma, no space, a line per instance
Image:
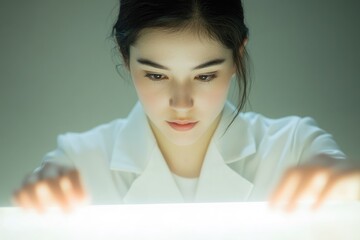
184,221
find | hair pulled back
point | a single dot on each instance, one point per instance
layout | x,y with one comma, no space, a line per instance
222,21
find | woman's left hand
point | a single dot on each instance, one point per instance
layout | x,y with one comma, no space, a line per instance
320,180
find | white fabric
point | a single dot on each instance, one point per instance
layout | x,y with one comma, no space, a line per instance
120,162
187,186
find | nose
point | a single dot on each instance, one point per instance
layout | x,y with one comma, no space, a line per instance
181,98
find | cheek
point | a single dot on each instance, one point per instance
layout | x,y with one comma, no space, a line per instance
151,97
211,104
141,86
217,95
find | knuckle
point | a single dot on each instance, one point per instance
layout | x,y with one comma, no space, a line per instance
65,183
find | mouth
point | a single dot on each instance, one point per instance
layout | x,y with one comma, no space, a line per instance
182,125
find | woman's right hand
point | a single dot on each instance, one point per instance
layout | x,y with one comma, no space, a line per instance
51,185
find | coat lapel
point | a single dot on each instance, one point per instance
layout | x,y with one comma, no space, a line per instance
134,141
155,185
136,151
218,182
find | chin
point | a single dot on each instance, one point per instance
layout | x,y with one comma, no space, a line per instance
182,142
184,139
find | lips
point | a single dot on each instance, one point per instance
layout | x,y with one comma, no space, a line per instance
182,125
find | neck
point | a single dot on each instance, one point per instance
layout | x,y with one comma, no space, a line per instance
186,160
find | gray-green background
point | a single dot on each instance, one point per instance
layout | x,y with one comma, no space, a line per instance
57,73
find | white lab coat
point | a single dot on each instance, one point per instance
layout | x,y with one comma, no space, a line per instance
120,162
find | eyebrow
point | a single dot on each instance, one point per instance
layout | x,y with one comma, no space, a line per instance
203,65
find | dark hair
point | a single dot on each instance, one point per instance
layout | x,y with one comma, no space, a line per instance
220,20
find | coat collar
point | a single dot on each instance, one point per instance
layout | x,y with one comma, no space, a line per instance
134,141
136,151
238,141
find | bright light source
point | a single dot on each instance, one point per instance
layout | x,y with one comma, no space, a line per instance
184,221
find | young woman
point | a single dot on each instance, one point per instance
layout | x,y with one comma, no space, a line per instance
183,142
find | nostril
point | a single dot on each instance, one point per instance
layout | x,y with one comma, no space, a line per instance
181,103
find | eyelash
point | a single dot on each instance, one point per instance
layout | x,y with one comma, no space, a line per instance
159,77
212,76
152,77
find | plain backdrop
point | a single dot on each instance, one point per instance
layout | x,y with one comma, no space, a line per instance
57,72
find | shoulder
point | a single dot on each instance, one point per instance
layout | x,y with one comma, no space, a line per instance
106,142
295,134
99,138
261,124
300,136
255,131
74,148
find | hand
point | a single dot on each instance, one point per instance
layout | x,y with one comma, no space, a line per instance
320,180
51,186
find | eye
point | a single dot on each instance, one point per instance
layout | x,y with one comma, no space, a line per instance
155,77
206,77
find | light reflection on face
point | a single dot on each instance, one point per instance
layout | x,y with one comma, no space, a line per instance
181,77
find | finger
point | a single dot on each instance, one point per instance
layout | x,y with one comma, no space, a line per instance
31,198
60,198
340,188
22,200
77,186
284,190
27,197
45,194
347,186
308,189
324,194
68,191
59,185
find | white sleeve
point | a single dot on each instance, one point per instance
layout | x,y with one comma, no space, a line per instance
315,141
59,156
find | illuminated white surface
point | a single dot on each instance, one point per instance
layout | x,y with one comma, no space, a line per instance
184,221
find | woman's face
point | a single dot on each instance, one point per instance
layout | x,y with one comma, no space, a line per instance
182,81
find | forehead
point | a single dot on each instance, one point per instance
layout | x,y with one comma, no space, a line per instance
161,44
